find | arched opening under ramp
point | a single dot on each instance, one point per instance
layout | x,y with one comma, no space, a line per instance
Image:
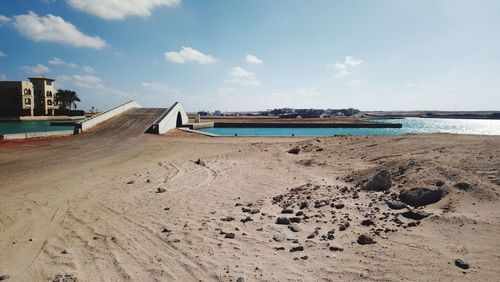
179,120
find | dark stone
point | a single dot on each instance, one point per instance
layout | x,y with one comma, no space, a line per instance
415,214
287,210
364,239
160,190
462,264
296,249
227,218
294,151
299,213
245,209
339,205
380,181
279,248
230,236
130,182
336,249
304,257
240,279
200,162
396,205
367,222
462,186
166,230
421,196
254,211
283,220
343,226
3,277
295,219
246,219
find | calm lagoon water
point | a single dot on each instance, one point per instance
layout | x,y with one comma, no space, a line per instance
410,126
7,127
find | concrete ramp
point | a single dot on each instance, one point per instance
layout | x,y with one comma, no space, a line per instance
132,122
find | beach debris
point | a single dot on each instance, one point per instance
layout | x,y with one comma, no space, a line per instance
3,277
279,237
229,236
396,205
462,264
297,249
462,186
421,196
200,162
63,278
294,227
304,205
336,248
254,211
380,181
294,151
160,190
365,239
343,225
439,183
283,220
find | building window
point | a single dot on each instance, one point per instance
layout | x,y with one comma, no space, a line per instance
49,82
26,91
27,101
49,102
49,93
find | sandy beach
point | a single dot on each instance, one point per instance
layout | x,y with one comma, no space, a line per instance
114,205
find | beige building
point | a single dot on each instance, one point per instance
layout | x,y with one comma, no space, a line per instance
28,98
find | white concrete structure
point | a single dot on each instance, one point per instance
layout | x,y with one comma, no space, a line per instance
101,117
28,135
174,117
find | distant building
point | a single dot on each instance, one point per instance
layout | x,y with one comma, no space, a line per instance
28,98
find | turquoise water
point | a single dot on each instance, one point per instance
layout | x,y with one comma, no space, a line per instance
7,127
410,126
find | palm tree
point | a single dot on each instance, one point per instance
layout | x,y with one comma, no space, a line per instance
67,98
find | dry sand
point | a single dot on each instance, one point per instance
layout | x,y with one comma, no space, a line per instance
87,208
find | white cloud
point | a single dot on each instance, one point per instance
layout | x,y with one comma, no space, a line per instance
88,81
52,28
118,10
243,77
351,61
188,54
36,70
159,87
3,76
225,91
4,20
251,59
344,69
57,61
2,54
88,69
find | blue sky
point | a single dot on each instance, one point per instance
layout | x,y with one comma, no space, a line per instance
251,55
